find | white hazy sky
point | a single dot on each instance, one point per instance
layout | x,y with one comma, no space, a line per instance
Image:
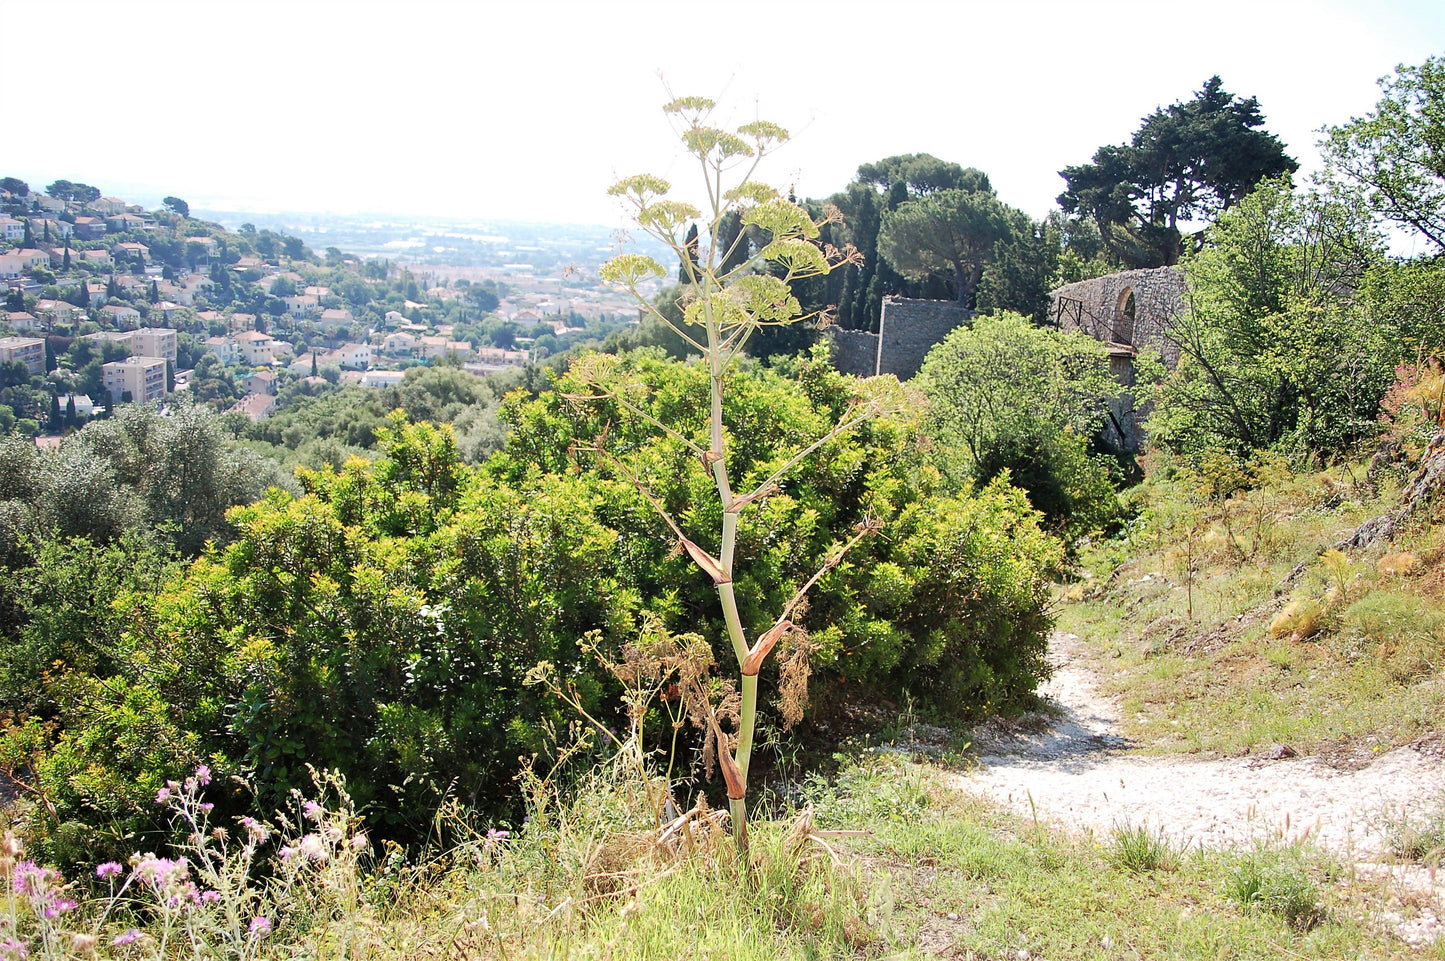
530,110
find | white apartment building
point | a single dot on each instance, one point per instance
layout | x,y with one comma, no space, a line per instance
258,349
29,351
144,378
143,341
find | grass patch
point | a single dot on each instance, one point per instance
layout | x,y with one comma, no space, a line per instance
1348,661
967,880
1416,836
1277,883
1139,850
885,861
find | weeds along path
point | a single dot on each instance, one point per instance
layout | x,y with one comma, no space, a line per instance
1074,770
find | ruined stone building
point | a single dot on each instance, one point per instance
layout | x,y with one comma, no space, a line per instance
1130,313
907,331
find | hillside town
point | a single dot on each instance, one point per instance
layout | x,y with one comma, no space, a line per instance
108,303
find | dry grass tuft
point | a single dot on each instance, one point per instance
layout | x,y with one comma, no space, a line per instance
1300,620
1398,564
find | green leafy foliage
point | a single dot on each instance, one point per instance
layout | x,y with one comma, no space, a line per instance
1395,155
1187,162
382,621
1008,396
1275,345
933,607
950,231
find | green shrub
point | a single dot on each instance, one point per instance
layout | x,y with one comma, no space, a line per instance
950,603
1137,849
1278,884
382,622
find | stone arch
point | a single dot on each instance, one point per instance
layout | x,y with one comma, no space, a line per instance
1126,310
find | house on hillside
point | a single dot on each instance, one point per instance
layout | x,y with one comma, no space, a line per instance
120,316
336,318
130,250
89,228
127,221
29,351
255,406
226,349
12,267
84,406
23,320
56,229
302,305
382,378
261,382
256,349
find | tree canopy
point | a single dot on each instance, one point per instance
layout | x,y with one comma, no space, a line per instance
919,174
1396,154
1007,395
947,231
1187,162
65,190
1275,345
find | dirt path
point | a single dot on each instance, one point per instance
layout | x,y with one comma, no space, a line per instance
1078,773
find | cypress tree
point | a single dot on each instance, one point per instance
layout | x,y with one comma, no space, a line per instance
65,263
683,275
71,420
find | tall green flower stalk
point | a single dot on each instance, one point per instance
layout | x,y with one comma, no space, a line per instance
728,296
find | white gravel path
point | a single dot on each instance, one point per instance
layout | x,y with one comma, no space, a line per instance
1078,773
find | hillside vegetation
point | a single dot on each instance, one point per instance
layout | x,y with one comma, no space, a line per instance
484,674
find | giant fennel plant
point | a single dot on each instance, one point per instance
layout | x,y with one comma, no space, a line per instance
729,294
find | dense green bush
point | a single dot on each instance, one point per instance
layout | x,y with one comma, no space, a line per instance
948,603
382,622
1006,395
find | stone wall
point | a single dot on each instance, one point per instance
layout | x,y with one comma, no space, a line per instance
1098,308
1101,308
908,330
854,351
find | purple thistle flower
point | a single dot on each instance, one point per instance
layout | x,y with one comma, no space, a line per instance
203,775
12,948
108,870
28,877
58,906
260,925
163,795
126,937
